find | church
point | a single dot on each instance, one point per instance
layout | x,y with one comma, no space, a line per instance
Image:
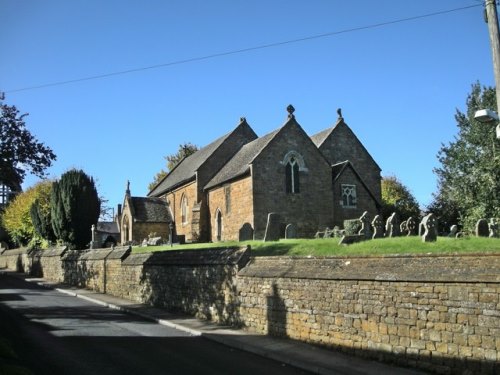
227,189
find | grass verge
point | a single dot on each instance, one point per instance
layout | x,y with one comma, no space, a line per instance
330,246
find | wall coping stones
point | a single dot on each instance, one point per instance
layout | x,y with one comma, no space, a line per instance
120,252
422,268
214,256
57,251
19,251
73,255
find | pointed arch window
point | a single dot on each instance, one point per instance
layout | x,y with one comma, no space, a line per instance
294,163
184,209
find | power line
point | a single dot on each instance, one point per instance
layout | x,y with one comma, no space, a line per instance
243,50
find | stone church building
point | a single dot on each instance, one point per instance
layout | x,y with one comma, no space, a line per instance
226,190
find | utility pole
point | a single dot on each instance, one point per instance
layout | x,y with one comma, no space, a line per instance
492,20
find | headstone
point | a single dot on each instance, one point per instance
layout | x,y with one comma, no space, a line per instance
366,229
291,231
328,233
482,229
392,226
430,226
403,229
272,227
144,242
493,228
154,241
246,232
453,230
353,238
411,226
378,227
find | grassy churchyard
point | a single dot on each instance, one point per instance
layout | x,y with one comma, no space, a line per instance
330,246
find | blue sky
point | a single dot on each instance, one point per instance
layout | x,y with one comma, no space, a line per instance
398,85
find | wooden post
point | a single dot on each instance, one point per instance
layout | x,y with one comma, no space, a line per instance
492,19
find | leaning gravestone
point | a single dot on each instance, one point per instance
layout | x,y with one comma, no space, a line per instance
453,230
429,224
272,227
378,227
291,231
365,226
246,232
411,226
482,229
392,226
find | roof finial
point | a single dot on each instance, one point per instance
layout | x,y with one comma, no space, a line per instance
290,111
339,112
128,188
243,119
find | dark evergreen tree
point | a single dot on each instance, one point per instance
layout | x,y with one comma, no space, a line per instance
75,206
42,223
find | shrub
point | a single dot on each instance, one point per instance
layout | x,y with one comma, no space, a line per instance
352,226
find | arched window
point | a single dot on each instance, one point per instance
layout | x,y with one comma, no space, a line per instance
184,209
292,176
294,163
218,225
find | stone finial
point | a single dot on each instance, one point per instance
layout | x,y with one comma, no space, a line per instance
243,119
127,191
339,112
290,111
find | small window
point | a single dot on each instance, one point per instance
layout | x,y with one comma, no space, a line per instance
349,199
227,194
184,209
292,176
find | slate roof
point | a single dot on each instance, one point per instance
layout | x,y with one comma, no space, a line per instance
239,164
150,210
186,169
108,227
320,137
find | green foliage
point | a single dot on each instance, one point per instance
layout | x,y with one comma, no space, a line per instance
20,151
16,218
396,197
40,214
469,176
352,226
184,151
75,206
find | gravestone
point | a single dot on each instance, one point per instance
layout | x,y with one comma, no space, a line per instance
366,229
430,228
392,226
403,229
378,227
246,232
482,229
453,230
272,227
291,231
493,228
411,226
154,241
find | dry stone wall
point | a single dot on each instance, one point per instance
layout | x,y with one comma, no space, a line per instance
438,313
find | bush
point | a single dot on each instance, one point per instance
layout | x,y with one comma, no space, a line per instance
352,226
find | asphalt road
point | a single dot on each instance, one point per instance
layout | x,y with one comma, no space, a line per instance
54,333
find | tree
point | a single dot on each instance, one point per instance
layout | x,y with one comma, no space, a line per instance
396,197
469,176
75,207
40,214
16,218
20,151
172,160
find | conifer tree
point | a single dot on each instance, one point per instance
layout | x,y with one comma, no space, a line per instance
75,206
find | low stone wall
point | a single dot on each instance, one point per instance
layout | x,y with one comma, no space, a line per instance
438,313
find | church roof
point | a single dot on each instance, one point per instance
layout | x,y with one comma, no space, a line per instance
239,165
150,210
186,169
320,137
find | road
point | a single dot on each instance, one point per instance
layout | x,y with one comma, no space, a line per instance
54,333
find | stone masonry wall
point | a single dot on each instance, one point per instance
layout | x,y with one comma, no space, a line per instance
240,212
174,198
438,313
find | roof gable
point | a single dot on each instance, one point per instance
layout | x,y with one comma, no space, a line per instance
339,168
150,210
185,171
